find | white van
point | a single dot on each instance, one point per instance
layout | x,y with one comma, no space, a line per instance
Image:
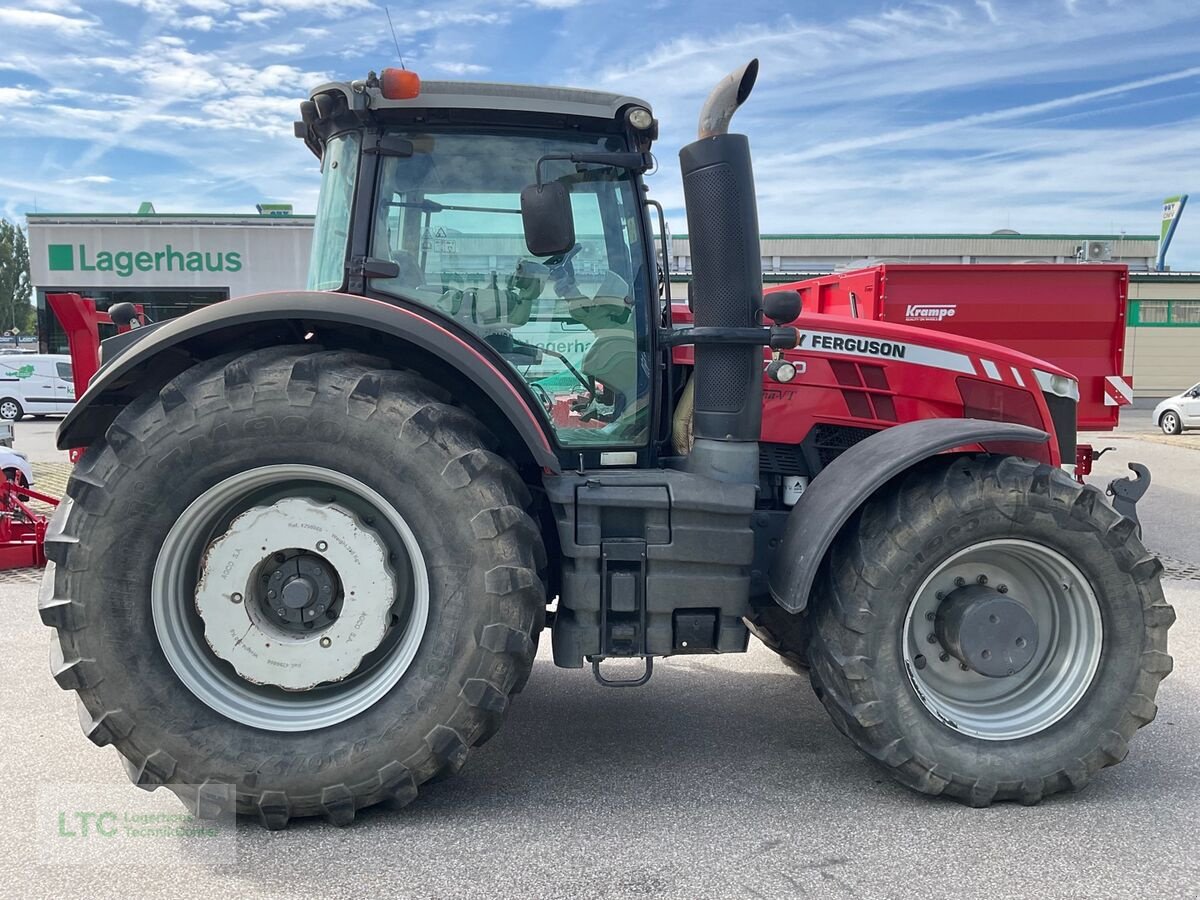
35,384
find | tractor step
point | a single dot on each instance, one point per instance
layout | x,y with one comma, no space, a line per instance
622,682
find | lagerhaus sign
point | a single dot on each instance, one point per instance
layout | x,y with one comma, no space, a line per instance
124,263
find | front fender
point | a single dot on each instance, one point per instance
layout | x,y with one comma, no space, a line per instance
846,483
265,319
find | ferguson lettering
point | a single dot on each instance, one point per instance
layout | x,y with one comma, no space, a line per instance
864,346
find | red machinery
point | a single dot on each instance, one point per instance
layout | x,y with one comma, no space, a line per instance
81,321
22,531
1070,315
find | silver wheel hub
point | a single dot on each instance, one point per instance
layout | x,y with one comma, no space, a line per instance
277,629
283,663
1003,639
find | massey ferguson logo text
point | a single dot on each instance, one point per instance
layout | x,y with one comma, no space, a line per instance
864,346
922,312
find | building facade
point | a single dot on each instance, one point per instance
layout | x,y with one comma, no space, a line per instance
175,263
171,264
824,253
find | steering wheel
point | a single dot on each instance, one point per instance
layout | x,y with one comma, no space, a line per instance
542,397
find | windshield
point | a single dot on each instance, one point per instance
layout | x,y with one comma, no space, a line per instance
449,215
339,168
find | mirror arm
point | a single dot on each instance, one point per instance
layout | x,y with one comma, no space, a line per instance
635,162
666,260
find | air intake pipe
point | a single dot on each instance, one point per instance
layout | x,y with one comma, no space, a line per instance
718,190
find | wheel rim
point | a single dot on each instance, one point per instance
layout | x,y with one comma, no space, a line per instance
8,410
1061,602
191,607
1169,422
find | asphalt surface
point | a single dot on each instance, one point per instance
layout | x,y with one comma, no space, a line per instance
721,778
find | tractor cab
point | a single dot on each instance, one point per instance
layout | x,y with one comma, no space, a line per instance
421,206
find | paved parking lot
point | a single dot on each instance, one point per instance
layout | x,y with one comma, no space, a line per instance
721,778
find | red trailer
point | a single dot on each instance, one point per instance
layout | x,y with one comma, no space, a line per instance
1068,314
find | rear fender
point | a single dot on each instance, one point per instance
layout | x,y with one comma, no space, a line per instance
146,361
846,483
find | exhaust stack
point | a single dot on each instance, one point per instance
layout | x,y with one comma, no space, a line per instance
718,190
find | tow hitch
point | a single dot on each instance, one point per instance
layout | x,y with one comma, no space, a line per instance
1126,492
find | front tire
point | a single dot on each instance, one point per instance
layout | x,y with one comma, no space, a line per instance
879,655
1170,422
381,465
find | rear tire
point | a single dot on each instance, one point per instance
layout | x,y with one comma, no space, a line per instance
867,674
121,647
1170,422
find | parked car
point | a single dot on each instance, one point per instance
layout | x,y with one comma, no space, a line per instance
35,385
1179,412
16,468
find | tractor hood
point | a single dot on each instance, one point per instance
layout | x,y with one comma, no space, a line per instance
885,341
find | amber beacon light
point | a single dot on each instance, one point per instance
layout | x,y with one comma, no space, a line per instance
400,84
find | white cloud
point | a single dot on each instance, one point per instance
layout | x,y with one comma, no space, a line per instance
460,68
40,20
88,179
198,23
58,6
259,16
282,49
10,96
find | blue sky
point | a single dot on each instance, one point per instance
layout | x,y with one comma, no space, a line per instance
968,115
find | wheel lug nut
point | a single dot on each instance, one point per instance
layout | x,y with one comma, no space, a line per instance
982,579
940,595
325,642
944,657
963,666
271,595
282,612
235,597
959,581
931,615
1002,588
322,546
932,638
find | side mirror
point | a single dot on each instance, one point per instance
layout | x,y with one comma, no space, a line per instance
782,307
547,219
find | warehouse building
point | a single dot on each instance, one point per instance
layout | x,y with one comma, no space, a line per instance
171,264
824,253
1162,342
176,263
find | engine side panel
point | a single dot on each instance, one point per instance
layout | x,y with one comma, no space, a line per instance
858,376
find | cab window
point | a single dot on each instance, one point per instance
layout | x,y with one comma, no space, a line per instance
449,216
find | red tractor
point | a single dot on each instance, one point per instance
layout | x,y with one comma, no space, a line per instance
305,559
